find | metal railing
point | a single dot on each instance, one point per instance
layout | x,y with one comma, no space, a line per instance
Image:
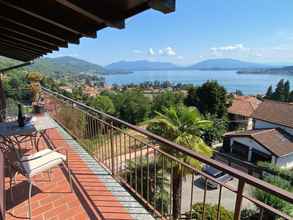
147,166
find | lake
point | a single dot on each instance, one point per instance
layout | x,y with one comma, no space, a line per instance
249,84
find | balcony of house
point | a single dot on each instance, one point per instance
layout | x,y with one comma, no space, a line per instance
120,171
92,194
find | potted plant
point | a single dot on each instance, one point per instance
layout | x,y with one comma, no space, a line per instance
35,87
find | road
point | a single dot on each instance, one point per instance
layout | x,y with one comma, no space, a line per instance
228,197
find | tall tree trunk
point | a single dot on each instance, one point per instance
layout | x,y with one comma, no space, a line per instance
177,186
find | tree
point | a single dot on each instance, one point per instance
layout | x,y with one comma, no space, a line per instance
166,100
286,91
183,126
279,94
191,99
102,103
132,106
272,200
209,98
269,93
217,131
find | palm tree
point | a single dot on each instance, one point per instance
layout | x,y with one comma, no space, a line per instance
182,125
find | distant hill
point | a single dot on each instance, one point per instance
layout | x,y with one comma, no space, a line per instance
67,65
288,70
225,64
211,64
141,65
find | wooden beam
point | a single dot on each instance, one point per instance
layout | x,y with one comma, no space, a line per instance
31,36
12,44
23,45
120,24
47,20
26,41
38,29
165,6
15,54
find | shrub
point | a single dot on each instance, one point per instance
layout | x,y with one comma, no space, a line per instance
249,214
276,170
210,212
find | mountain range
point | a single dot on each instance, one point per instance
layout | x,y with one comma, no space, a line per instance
75,66
211,64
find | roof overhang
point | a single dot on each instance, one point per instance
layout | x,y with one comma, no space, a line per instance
30,29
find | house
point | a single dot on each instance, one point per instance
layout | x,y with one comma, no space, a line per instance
271,138
241,110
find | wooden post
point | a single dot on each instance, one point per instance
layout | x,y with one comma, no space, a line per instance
2,100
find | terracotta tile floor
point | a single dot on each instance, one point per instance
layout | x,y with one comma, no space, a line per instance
52,200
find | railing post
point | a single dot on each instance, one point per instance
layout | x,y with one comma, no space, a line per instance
237,210
112,150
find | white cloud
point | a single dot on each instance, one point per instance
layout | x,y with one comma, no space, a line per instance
234,47
180,57
137,51
169,51
152,52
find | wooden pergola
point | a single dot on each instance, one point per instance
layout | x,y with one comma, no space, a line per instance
30,29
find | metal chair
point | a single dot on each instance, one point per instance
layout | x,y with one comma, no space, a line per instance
31,165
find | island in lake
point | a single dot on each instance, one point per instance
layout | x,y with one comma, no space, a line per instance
288,70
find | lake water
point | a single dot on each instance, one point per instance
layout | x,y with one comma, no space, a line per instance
249,84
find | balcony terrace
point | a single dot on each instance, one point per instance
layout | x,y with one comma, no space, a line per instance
118,171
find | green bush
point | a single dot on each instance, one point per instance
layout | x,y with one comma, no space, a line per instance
210,212
249,214
276,170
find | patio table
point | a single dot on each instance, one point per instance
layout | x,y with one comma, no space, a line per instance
36,128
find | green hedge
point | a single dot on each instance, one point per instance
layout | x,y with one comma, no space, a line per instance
210,212
276,170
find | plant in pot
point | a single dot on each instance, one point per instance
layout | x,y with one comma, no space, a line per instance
35,87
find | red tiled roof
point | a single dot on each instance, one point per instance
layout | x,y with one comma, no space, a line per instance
275,140
280,113
244,105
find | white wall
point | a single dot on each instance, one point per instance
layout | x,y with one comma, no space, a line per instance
250,143
285,161
262,124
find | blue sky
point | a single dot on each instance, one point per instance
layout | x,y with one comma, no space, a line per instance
252,30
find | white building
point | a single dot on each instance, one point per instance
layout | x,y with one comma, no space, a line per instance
271,138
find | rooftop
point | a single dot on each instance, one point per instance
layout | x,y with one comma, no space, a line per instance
244,105
277,141
280,113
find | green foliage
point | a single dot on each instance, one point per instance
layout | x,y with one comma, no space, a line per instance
282,92
166,100
183,125
272,200
276,170
249,214
150,182
102,103
132,106
209,98
210,212
269,92
215,133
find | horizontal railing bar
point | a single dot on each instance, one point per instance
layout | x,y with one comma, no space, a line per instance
230,170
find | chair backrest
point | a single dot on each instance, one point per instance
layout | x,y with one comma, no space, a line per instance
11,156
